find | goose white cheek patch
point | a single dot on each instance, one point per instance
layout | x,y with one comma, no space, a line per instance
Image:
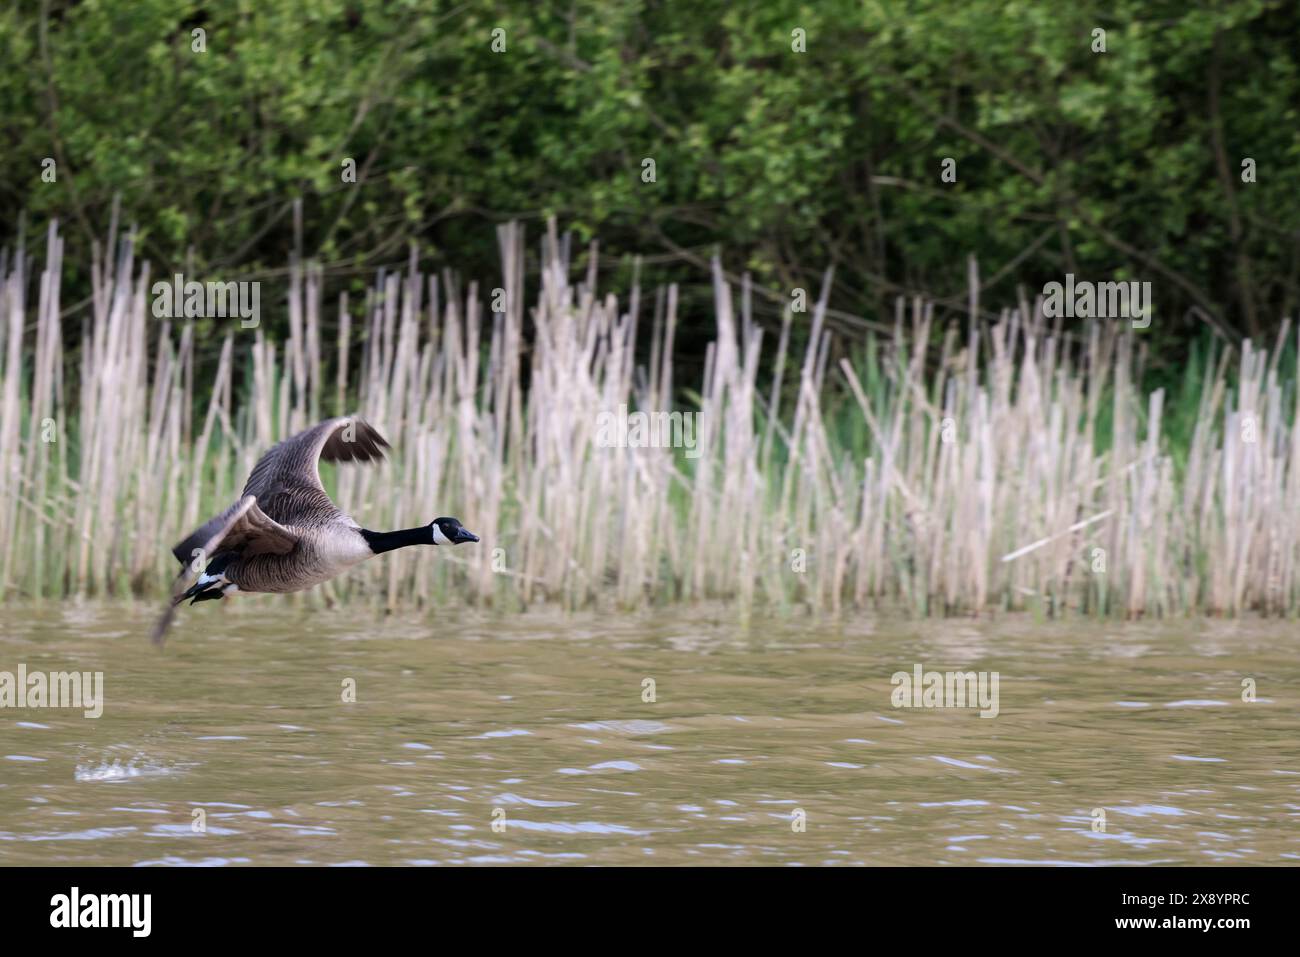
439,538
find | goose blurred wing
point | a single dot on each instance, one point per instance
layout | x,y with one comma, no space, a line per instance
243,528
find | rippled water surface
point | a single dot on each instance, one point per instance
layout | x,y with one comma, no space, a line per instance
526,740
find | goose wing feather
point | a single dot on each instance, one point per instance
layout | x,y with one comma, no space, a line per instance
286,480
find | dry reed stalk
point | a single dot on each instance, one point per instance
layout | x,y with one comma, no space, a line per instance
983,484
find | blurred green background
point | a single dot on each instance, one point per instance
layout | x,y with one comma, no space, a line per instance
1124,164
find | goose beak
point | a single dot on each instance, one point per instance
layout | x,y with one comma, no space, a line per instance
465,535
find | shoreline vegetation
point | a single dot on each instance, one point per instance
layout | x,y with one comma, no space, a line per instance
1007,466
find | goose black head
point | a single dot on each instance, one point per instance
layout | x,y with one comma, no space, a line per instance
449,531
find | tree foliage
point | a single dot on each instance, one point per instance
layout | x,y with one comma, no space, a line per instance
1122,164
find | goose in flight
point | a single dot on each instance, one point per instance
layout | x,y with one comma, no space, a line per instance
285,534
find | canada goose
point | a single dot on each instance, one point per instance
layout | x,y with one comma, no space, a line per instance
284,534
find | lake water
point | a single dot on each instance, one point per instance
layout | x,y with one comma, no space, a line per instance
527,740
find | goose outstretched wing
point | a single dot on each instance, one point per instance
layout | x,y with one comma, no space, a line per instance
286,480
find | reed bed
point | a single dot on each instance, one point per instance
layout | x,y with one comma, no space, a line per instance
1004,466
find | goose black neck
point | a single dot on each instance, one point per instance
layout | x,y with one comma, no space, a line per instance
381,542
